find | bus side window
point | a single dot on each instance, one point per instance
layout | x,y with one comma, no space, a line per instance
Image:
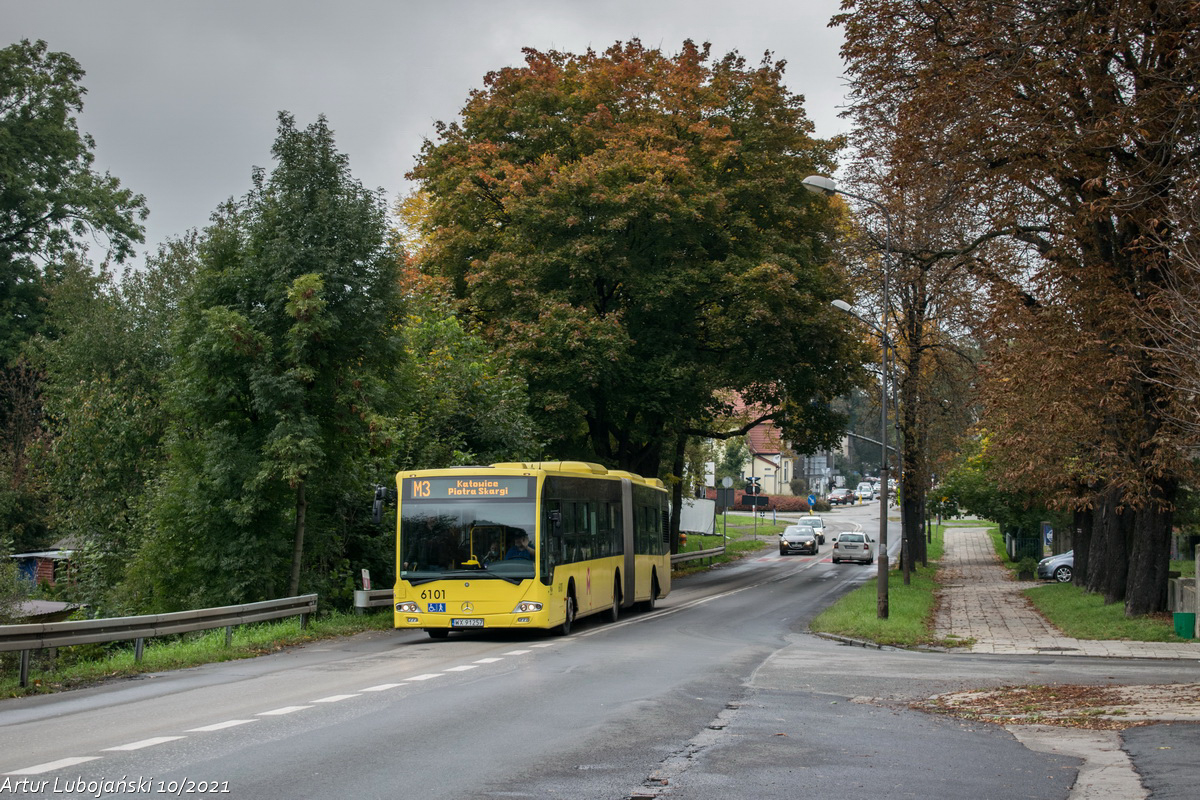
639,530
616,541
552,547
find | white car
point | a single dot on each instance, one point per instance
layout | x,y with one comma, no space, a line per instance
853,546
817,524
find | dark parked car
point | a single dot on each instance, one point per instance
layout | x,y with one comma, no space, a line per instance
1060,567
798,539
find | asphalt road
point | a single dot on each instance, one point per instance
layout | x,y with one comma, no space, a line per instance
719,693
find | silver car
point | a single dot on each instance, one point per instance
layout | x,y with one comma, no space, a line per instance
817,524
1060,567
854,547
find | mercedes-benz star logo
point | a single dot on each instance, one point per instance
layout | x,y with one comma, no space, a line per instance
467,608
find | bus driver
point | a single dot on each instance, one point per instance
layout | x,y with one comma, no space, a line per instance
520,548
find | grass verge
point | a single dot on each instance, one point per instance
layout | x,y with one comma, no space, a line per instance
911,607
1081,615
83,665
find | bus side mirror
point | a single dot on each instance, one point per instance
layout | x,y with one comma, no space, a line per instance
377,509
382,495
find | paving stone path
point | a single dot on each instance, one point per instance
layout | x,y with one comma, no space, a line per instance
981,602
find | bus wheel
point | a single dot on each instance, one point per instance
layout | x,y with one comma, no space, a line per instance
565,627
437,633
615,611
648,605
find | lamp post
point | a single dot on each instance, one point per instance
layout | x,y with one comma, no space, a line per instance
819,184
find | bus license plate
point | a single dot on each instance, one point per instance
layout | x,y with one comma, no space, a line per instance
437,608
466,623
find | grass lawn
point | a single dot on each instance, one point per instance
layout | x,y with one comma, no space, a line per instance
1085,616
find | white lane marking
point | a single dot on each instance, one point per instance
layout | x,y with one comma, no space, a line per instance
334,698
425,677
488,660
517,652
281,711
383,687
220,726
462,668
144,743
49,766
545,644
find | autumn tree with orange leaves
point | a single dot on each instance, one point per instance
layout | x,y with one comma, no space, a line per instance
1071,130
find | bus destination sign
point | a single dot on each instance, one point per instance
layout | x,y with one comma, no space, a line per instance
466,488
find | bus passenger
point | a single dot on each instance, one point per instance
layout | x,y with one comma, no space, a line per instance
520,548
493,553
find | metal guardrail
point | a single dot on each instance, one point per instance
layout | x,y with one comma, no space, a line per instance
39,635
372,598
679,558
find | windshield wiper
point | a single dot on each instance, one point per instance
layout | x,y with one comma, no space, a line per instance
475,573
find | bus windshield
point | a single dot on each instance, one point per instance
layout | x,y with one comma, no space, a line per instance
484,538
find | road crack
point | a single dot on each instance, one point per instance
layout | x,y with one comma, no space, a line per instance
659,782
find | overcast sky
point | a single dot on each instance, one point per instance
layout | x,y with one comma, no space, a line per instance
182,95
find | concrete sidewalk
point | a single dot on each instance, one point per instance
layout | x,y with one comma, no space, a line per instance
981,602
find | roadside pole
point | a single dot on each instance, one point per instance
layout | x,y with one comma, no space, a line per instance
725,498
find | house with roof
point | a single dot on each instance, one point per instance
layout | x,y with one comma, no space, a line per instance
46,566
769,459
773,461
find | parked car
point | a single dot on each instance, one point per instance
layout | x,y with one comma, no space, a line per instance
841,497
854,547
798,539
817,524
1060,567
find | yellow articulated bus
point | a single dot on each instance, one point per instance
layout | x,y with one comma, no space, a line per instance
527,545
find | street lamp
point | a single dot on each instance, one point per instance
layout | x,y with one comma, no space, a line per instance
819,184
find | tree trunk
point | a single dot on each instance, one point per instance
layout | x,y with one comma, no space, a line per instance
1081,544
1108,562
913,533
298,542
1150,556
677,490
920,538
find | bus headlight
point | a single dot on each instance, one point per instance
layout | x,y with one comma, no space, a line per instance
407,608
526,607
